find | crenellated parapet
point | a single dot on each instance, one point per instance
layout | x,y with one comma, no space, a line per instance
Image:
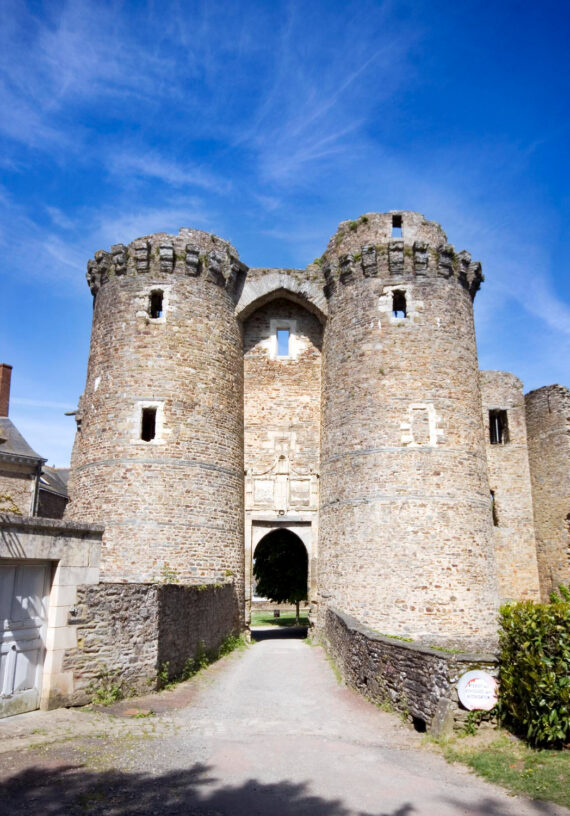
368,248
191,253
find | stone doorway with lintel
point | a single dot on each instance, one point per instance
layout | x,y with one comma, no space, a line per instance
258,528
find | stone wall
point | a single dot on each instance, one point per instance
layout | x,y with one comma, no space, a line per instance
126,633
51,505
509,480
406,537
415,679
548,427
17,489
282,414
173,504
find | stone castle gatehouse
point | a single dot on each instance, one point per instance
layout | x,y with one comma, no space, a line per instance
342,402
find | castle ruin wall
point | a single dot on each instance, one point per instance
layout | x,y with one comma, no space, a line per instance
509,481
548,428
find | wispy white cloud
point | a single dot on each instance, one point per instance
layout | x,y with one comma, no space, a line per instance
113,226
151,165
59,218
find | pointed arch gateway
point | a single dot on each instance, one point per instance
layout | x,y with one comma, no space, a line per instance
282,341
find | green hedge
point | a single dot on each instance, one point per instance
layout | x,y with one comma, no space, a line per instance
534,694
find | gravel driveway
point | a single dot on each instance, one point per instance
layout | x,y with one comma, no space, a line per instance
266,731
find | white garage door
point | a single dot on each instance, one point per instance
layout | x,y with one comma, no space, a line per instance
24,594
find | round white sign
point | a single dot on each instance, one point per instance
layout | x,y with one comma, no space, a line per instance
477,690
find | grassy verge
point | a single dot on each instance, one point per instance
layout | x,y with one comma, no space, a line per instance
507,761
286,619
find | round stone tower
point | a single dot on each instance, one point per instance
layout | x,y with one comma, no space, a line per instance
406,540
158,456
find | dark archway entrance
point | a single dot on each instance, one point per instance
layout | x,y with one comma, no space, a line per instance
281,568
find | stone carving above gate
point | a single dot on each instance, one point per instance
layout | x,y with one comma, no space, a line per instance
282,487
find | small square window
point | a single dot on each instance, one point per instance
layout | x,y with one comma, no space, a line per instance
155,304
498,427
396,226
399,308
148,424
283,339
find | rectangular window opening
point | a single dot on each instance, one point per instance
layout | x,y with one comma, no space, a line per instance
396,226
155,304
498,427
148,424
399,308
494,509
283,338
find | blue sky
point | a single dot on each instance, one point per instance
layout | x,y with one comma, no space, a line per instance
268,123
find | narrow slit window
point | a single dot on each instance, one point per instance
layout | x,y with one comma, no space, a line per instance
148,424
399,308
155,304
283,340
494,509
498,427
396,226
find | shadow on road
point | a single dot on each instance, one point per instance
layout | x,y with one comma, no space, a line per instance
278,632
75,791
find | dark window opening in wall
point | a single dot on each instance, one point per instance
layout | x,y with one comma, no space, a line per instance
155,304
148,424
399,308
396,226
283,337
498,427
494,509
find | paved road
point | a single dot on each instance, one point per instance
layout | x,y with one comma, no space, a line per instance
269,731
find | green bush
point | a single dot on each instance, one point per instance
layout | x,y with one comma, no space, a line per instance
535,670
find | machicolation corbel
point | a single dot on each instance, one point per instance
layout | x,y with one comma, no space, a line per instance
98,270
166,255
369,264
119,252
474,277
215,268
192,260
396,257
446,258
463,261
346,268
421,257
142,256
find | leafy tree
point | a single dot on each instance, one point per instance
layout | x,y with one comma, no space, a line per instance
281,567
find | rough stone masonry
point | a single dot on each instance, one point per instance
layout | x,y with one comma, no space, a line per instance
343,403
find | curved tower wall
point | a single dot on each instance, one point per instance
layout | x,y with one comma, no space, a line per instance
548,426
173,505
406,540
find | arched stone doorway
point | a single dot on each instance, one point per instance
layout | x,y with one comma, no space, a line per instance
282,341
260,529
281,567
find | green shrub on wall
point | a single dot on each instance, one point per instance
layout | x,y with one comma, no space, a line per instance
535,669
